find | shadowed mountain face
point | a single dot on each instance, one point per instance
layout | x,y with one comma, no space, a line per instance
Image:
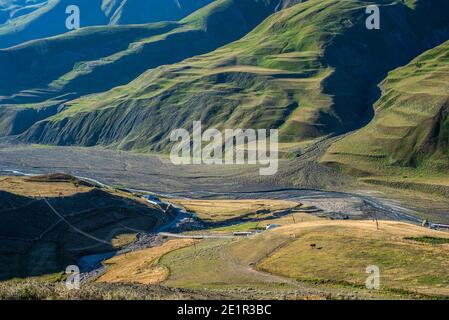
411,125
310,70
12,9
34,240
22,20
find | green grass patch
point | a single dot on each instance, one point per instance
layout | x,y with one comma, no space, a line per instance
429,240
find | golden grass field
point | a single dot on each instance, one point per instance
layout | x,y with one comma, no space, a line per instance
345,248
141,266
25,187
122,240
47,186
283,259
220,210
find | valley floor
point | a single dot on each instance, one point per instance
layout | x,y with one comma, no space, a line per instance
318,246
301,177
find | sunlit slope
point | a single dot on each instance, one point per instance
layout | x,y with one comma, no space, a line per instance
411,125
43,74
409,258
309,70
331,255
22,21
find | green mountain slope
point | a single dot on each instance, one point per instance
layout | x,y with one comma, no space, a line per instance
11,9
43,74
310,70
22,21
411,125
37,64
138,11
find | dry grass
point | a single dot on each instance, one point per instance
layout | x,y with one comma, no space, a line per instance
220,210
295,217
338,262
140,266
211,264
123,240
338,268
25,187
41,290
36,241
345,248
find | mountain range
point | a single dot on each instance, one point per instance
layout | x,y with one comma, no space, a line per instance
25,20
308,68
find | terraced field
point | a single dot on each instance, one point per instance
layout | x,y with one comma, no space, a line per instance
300,71
116,53
406,145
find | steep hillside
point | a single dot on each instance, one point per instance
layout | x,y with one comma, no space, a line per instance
42,74
411,125
37,239
138,11
310,70
22,21
11,9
